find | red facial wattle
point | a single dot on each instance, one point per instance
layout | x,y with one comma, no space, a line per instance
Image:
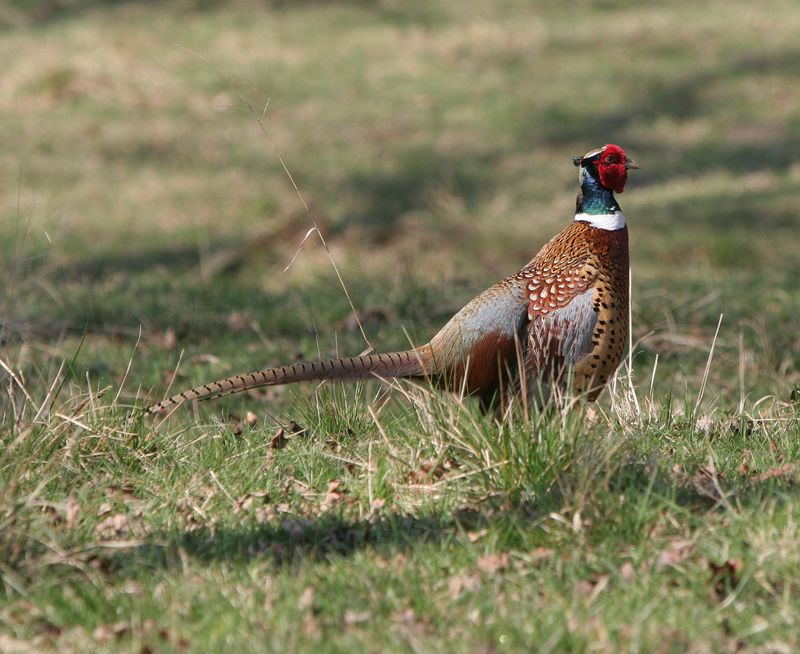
612,168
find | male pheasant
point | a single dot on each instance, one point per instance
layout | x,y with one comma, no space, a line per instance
564,316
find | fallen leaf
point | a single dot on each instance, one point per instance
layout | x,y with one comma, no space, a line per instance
707,481
306,600
10,645
73,510
238,320
491,563
105,632
460,583
210,359
311,625
247,501
627,572
540,554
115,526
592,587
675,553
577,522
774,473
404,617
741,425
295,428
431,470
744,468
279,440
367,316
397,561
377,504
170,340
704,424
475,536
724,576
336,493
356,617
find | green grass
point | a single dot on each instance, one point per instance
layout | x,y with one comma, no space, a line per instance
145,220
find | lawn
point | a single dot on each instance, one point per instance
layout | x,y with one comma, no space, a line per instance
161,166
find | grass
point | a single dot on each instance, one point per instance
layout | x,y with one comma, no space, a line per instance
146,221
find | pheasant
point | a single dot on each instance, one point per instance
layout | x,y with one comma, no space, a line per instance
562,320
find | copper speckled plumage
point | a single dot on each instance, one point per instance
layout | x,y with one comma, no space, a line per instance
563,316
578,305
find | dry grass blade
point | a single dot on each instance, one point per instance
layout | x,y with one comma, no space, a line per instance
707,369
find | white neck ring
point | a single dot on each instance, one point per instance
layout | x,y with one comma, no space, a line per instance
607,221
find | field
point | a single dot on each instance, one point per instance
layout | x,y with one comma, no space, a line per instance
150,239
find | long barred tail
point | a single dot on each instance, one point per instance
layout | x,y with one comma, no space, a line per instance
412,363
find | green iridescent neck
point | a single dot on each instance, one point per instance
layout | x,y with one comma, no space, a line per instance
593,198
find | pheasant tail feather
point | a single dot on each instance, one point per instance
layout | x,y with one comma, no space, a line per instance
411,363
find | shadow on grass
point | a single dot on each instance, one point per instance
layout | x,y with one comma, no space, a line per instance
45,11
681,100
381,199
293,540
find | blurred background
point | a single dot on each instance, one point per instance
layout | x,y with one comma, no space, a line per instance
432,141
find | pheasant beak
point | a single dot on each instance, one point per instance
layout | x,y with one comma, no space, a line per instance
630,164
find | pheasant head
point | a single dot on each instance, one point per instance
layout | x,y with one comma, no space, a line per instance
602,172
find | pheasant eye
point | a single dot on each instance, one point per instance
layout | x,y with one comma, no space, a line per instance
611,159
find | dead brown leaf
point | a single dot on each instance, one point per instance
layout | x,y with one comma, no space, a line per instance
72,510
208,359
115,526
279,440
675,553
294,428
777,472
406,617
238,321
311,626
249,501
592,587
367,316
704,424
492,563
431,470
336,493
306,600
540,554
398,561
744,468
708,482
475,536
724,576
165,339
10,645
460,583
105,632
627,572
355,617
